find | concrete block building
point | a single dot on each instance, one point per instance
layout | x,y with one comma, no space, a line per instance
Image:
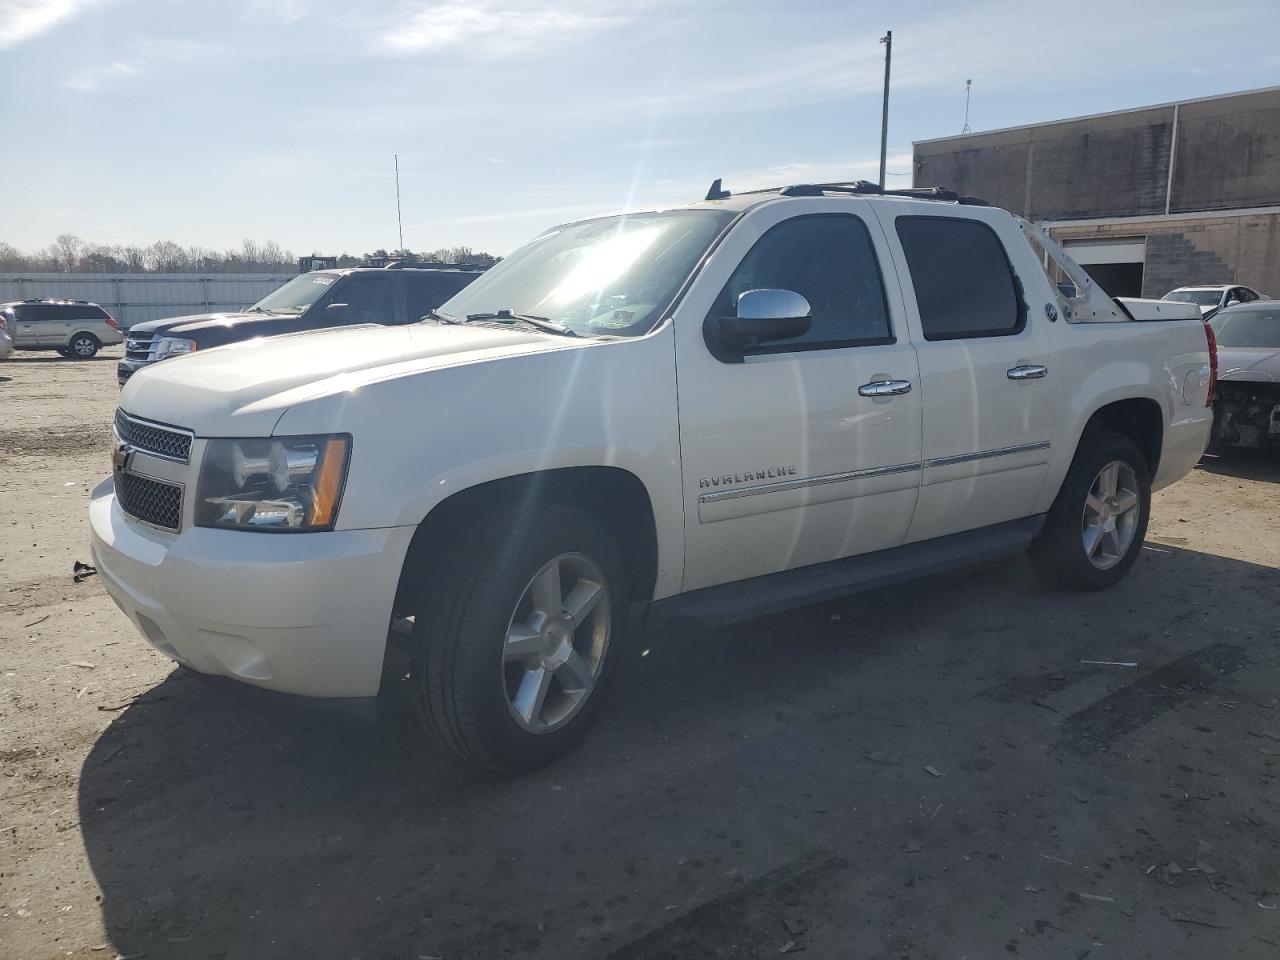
1147,199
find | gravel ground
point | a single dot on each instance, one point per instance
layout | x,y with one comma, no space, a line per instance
878,777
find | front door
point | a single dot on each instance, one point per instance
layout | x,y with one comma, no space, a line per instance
784,462
986,374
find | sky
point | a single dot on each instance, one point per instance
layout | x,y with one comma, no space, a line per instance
130,121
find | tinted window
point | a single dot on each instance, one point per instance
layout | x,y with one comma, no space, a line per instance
368,298
37,312
424,292
1248,328
1247,295
827,259
962,278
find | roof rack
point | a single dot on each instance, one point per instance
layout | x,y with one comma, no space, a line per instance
857,188
428,265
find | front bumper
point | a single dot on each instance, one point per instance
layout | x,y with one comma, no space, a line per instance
298,613
127,368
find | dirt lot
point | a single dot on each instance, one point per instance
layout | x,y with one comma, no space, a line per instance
928,771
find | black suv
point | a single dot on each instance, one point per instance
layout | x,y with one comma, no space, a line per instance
401,292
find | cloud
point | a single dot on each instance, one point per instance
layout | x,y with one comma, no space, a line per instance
277,11
492,29
23,19
149,53
93,77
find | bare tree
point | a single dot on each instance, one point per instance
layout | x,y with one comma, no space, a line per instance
67,249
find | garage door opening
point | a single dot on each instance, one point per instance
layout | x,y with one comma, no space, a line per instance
1116,264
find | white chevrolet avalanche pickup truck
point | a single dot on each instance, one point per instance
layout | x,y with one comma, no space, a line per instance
705,413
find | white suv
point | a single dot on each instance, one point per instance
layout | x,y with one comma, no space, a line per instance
704,413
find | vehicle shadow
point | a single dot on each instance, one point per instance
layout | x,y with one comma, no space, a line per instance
1244,463
217,828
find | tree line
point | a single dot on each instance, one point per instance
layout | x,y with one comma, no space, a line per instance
69,254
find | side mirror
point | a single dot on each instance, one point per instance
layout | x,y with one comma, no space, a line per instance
767,315
336,311
1233,303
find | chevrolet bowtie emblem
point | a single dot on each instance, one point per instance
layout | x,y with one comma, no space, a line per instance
120,457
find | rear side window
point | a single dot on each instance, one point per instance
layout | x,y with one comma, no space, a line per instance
426,291
40,312
964,284
830,261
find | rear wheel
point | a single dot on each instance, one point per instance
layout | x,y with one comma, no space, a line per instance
518,636
83,346
1096,526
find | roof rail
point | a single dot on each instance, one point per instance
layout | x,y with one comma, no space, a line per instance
867,188
428,265
855,187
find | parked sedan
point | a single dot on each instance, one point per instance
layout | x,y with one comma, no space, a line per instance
1212,299
1246,407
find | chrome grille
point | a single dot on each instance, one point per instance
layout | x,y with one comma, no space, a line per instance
137,346
168,442
151,501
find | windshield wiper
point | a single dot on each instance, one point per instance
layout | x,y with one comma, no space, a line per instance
541,323
434,314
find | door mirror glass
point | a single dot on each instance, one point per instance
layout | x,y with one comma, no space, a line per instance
766,315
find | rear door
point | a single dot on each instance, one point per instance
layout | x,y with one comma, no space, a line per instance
986,374
784,462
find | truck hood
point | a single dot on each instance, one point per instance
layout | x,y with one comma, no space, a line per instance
242,389
197,321
1256,364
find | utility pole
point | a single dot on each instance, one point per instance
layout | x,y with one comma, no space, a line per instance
399,222
887,40
967,85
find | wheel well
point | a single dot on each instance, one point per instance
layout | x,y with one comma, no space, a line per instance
612,495
1139,419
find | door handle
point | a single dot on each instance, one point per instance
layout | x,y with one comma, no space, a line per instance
884,388
1028,371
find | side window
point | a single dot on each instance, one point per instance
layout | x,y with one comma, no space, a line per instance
830,261
368,299
964,284
426,291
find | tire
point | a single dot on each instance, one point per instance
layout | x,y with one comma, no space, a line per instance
1089,541
476,690
64,352
83,346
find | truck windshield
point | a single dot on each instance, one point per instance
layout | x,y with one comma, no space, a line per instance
1201,298
296,295
609,277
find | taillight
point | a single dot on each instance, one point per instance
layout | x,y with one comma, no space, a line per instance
1212,341
111,322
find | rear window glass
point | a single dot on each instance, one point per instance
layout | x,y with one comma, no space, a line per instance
963,282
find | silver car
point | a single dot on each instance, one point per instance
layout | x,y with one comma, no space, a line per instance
75,328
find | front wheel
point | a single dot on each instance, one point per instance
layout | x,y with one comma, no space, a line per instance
1096,526
518,637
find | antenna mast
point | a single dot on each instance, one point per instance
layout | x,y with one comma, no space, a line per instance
967,85
399,222
887,40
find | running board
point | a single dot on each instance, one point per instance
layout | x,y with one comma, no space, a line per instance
758,596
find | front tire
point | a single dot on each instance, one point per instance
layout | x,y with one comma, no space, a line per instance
1095,528
83,346
518,636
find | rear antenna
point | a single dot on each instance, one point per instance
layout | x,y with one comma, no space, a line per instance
716,193
967,85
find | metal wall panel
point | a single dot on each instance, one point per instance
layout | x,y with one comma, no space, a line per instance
134,297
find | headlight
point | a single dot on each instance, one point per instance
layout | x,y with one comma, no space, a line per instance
166,347
291,484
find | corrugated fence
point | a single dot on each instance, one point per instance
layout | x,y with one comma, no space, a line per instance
134,297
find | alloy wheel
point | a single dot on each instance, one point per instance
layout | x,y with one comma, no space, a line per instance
556,642
1111,515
